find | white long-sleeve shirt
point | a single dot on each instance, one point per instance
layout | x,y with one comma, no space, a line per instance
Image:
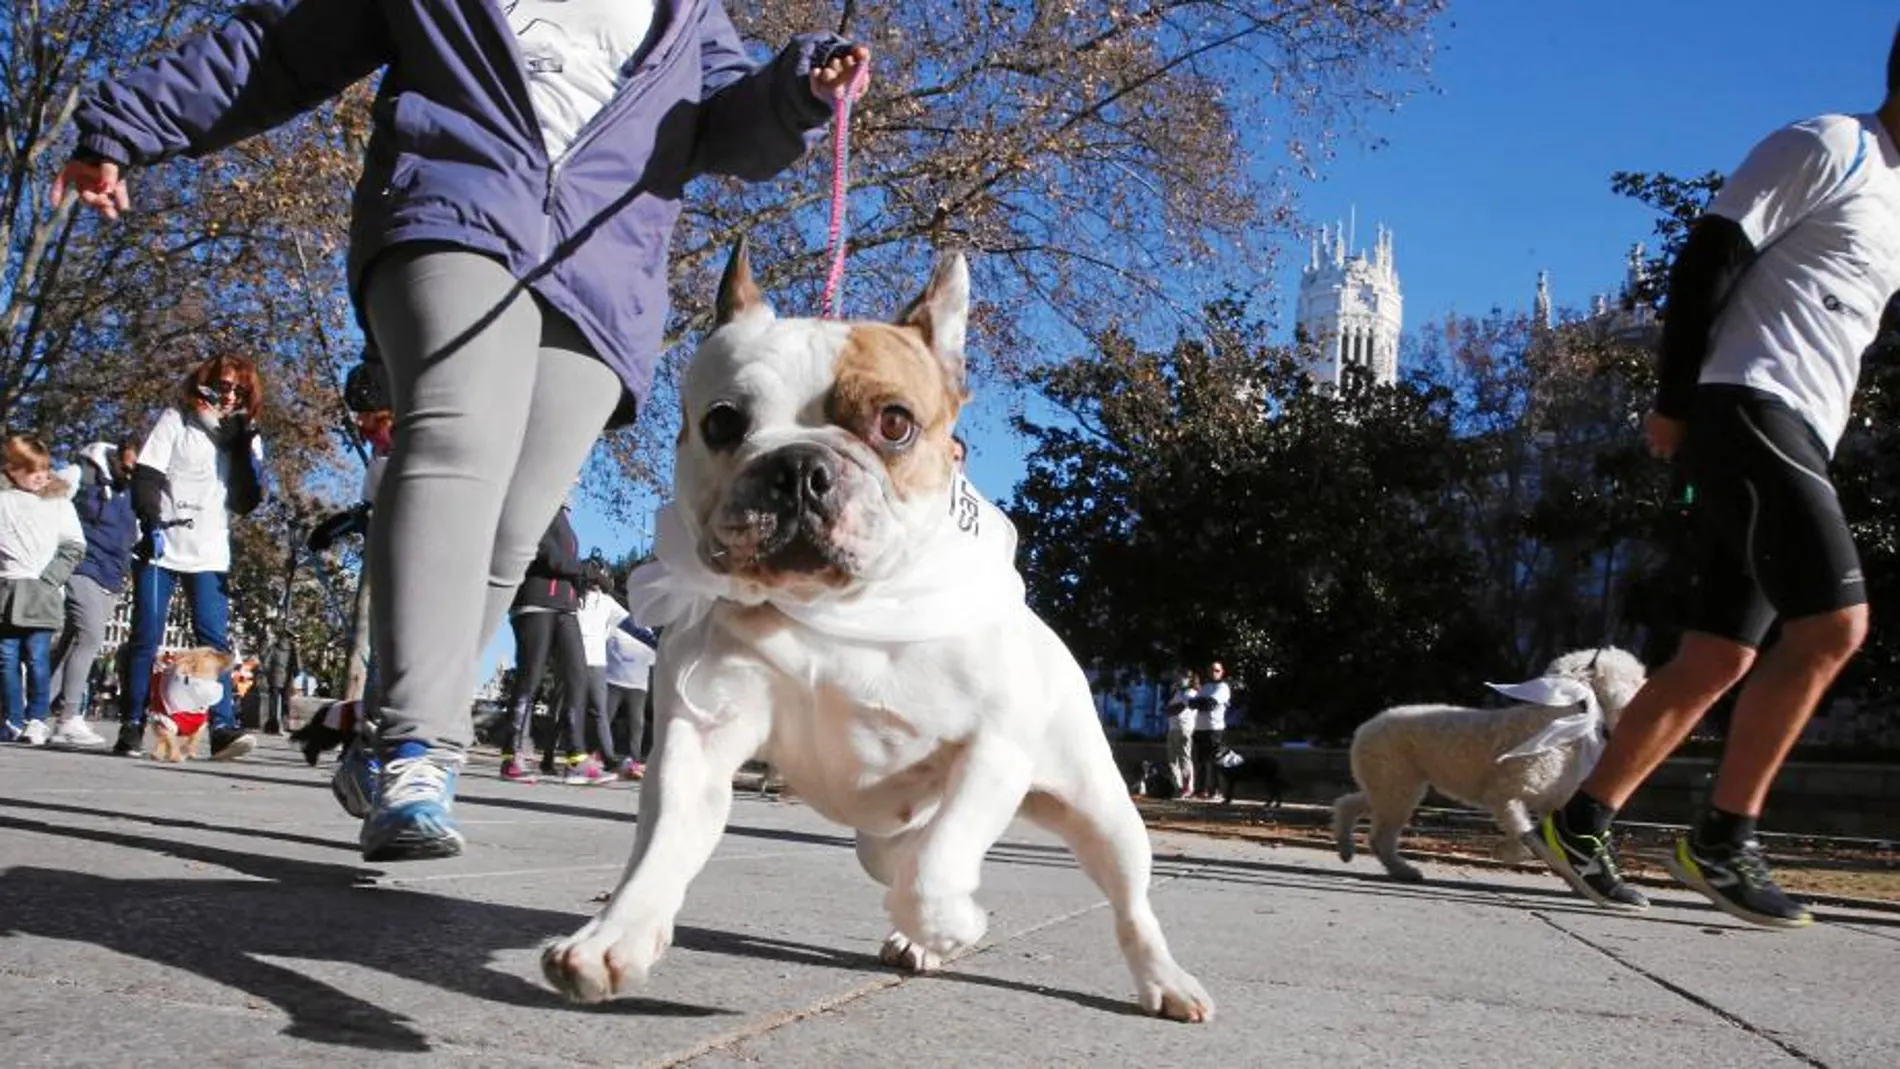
1214,719
32,528
599,615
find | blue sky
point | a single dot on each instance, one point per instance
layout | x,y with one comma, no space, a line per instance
1502,167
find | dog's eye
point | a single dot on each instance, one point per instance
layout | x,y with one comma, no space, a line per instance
895,427
723,426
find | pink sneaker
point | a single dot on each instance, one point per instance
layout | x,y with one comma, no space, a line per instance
515,770
631,769
586,773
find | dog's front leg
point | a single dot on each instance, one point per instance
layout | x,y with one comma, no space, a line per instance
932,900
684,802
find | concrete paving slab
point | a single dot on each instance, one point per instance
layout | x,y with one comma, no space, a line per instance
219,915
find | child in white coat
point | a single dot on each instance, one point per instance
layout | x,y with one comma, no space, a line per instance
41,543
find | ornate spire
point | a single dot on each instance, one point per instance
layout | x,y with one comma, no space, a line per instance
1542,315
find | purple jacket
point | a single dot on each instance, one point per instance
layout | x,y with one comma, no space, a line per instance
456,154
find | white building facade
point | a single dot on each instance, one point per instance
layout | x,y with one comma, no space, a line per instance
1351,311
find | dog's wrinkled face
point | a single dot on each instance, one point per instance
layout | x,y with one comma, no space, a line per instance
812,451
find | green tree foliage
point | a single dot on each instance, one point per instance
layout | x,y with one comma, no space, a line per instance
1203,501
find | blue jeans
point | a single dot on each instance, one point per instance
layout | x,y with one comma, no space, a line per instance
210,603
35,649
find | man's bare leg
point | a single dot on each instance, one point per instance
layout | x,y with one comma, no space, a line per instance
1778,701
1662,714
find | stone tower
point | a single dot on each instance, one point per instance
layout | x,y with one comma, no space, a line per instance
1350,311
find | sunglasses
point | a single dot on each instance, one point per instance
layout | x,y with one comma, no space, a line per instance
215,392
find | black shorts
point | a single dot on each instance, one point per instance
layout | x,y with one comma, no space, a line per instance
1769,537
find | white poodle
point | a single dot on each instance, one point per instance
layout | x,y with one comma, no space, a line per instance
1516,762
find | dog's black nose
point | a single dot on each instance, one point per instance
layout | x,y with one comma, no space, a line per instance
802,478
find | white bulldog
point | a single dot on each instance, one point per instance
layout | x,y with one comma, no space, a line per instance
840,601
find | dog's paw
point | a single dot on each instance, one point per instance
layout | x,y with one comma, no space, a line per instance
1405,873
899,952
940,924
1512,851
1168,991
604,959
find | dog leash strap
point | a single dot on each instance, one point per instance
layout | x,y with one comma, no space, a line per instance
840,184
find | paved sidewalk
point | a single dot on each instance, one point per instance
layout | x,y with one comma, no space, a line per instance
214,914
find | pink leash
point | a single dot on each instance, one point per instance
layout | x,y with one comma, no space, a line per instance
840,183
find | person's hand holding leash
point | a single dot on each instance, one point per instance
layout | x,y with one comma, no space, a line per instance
832,78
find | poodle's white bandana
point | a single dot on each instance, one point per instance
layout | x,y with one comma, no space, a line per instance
1584,727
961,578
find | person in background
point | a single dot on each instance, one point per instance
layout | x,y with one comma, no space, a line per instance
1779,290
1181,717
41,542
366,395
104,506
600,615
630,655
545,621
102,688
202,463
278,666
1210,703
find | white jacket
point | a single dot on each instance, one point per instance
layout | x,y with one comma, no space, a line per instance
32,528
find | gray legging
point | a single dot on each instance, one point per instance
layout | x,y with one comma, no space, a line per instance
497,400
88,610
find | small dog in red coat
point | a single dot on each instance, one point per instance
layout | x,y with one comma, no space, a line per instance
184,688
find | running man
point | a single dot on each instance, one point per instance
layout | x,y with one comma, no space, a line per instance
1777,292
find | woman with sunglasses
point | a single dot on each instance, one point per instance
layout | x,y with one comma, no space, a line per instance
202,462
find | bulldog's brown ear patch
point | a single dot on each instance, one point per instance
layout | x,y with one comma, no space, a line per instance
880,366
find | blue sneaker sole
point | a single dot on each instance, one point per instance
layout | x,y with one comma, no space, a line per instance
418,849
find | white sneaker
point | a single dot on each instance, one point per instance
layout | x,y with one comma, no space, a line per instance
35,733
74,731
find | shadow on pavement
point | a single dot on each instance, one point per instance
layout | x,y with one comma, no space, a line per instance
319,911
313,911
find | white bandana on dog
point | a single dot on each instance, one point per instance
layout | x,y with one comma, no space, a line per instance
1584,727
960,579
